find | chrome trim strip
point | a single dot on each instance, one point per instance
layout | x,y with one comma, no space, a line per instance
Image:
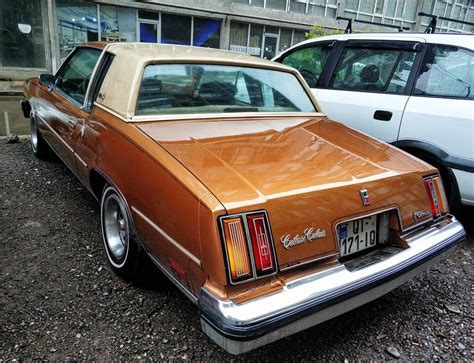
200,116
55,133
176,282
168,237
80,160
309,261
112,112
311,299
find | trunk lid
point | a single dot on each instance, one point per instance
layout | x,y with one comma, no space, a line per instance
305,172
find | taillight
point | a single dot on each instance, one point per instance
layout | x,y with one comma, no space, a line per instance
261,245
237,249
249,246
436,195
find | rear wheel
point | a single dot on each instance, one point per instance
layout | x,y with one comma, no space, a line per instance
123,251
39,146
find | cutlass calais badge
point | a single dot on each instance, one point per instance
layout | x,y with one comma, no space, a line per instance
308,235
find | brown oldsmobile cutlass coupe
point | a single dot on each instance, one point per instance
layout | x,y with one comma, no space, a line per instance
223,170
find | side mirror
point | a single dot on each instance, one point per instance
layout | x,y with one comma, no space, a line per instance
47,80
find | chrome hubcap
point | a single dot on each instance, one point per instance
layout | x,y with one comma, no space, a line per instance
115,227
33,134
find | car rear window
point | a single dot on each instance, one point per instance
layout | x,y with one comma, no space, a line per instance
199,88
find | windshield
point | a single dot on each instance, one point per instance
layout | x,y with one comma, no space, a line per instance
198,88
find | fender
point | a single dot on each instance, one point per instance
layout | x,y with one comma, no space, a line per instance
450,161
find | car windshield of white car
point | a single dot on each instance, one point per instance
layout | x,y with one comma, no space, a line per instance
200,88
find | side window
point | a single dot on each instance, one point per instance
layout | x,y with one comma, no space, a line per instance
309,61
379,70
446,71
74,77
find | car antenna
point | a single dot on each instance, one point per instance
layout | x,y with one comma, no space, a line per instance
349,24
431,28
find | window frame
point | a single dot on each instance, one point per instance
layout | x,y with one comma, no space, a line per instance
411,45
422,62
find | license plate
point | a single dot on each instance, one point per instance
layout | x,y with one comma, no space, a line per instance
357,235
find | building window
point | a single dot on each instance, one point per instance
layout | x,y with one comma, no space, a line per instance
276,4
298,37
260,3
206,32
22,41
148,22
298,6
454,9
239,37
285,39
77,23
250,38
255,41
117,24
393,12
175,29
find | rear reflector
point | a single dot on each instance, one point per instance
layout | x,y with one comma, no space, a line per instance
436,195
237,249
261,245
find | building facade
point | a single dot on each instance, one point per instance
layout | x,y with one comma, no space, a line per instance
36,35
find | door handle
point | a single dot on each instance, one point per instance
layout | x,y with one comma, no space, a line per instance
382,115
71,122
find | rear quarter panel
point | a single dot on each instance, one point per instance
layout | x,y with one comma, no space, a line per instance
156,185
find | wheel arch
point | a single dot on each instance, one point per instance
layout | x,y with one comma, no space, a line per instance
439,158
97,180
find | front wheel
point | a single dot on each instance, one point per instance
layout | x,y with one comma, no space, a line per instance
39,146
123,251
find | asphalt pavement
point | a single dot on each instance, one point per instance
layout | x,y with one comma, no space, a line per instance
60,300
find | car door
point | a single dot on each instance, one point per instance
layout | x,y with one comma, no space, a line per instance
439,116
369,86
62,110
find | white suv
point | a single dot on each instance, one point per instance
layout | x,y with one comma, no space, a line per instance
415,91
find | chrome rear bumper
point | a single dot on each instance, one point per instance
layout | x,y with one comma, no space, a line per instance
318,297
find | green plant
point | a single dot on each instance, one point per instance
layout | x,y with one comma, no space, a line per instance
317,31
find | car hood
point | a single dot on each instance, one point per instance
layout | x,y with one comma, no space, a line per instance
305,171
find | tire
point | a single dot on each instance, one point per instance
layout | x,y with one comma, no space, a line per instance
39,146
124,253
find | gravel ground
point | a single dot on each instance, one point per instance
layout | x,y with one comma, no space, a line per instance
60,300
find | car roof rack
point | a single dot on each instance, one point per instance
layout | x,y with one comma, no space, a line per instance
348,29
431,28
